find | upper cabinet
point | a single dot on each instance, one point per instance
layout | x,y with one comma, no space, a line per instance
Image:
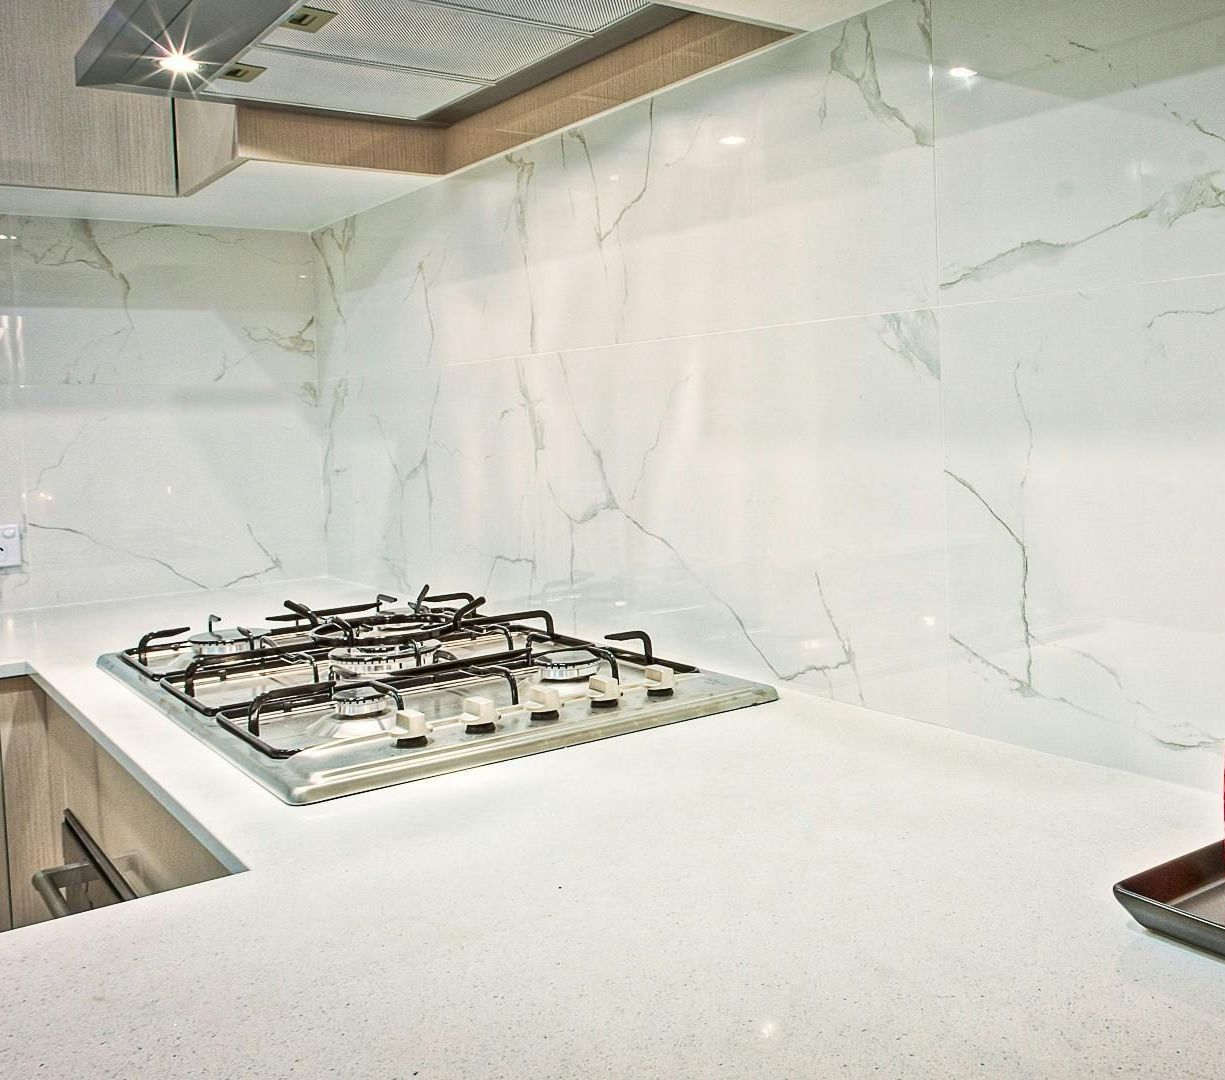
59,135
276,113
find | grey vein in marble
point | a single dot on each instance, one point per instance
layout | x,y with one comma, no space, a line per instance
866,79
299,341
401,482
848,653
525,172
1023,553
1022,687
120,551
81,248
659,434
1194,124
1183,736
228,364
11,580
1202,193
274,563
340,396
46,470
226,237
604,234
693,142
336,241
421,467
1178,312
914,336
609,502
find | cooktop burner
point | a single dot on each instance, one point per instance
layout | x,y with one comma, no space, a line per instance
328,702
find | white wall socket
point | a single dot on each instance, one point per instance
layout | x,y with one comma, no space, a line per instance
10,545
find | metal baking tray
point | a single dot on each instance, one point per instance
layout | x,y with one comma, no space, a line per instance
1183,898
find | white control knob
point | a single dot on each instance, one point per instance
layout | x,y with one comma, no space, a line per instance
604,691
543,702
660,680
480,715
410,730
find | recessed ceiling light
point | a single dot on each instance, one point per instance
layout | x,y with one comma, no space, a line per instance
962,72
179,63
733,140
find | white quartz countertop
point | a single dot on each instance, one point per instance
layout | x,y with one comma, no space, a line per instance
801,889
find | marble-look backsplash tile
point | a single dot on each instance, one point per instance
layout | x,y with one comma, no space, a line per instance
1078,158
1085,435
159,392
797,186
112,302
833,368
681,484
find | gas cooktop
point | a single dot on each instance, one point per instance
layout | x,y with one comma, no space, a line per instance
329,702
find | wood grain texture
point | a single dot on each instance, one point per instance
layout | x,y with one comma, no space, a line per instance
209,144
677,51
354,142
204,143
72,767
148,843
31,825
59,135
50,764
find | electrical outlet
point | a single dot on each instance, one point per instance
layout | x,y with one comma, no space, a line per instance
10,546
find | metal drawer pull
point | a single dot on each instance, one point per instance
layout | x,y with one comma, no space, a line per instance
48,884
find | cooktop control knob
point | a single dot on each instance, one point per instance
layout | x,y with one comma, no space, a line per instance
543,702
411,729
660,680
604,691
480,715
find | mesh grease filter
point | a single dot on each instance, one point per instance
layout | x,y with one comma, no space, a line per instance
408,58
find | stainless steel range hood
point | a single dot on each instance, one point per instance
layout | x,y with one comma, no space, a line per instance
432,61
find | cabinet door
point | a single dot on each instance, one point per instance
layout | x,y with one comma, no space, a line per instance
148,844
49,764
72,768
59,135
31,824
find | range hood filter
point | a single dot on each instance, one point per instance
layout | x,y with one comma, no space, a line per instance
431,60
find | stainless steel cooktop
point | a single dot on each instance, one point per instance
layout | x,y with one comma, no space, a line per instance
329,702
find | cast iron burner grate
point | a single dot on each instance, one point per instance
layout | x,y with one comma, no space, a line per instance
467,687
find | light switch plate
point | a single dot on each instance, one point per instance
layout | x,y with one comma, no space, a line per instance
10,546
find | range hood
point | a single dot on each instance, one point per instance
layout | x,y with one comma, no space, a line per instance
428,61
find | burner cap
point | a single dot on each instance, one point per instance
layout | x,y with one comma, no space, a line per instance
356,701
562,665
359,710
214,642
377,628
371,659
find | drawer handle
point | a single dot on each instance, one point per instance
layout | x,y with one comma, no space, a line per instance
48,883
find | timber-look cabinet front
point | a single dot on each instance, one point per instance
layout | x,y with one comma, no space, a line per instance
49,764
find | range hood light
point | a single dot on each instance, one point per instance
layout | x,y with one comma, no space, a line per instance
179,63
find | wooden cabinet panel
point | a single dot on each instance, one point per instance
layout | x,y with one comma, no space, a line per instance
59,135
150,846
31,825
49,764
72,765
